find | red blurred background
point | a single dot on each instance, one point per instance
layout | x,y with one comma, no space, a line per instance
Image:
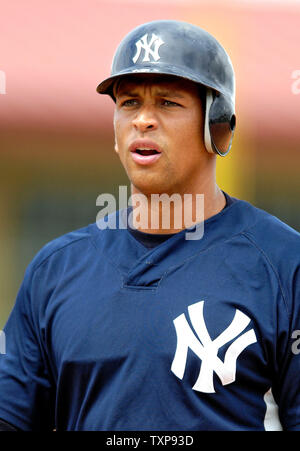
56,136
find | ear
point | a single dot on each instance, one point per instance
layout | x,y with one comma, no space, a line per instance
116,147
116,144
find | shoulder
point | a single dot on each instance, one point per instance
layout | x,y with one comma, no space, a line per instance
278,244
257,225
269,232
78,247
65,245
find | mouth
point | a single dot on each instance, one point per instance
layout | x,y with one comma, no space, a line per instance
145,152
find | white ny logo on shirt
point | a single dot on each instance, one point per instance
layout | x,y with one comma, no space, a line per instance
207,349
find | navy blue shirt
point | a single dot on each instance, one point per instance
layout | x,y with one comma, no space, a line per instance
107,334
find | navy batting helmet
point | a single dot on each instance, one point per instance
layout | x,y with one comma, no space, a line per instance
183,50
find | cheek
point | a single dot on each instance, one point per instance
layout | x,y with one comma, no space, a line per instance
197,125
121,139
188,134
189,144
118,134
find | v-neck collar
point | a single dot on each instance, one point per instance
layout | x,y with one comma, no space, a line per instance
144,268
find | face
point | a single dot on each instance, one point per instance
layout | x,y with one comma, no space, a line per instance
158,125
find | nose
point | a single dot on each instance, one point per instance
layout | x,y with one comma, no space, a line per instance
145,120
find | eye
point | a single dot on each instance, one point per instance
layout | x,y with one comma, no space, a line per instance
129,102
166,102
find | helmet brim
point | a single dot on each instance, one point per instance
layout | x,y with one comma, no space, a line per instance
106,86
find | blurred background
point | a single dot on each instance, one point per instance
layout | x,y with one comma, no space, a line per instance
56,135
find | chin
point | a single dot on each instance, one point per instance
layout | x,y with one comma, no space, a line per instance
149,186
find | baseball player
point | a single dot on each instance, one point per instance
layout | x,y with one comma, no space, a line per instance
136,327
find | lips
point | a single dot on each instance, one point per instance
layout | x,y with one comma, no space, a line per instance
145,151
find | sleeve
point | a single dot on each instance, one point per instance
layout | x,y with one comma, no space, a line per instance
6,427
26,390
286,387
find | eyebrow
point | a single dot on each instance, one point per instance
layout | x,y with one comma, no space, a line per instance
162,93
167,93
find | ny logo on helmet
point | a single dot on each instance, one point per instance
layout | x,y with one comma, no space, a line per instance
150,48
207,349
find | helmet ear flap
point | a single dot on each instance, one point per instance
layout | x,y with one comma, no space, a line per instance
219,124
207,138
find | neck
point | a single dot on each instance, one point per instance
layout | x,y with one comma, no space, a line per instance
165,213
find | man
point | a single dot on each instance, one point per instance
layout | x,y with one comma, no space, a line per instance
153,325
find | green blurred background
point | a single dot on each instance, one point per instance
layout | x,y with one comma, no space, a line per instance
56,135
